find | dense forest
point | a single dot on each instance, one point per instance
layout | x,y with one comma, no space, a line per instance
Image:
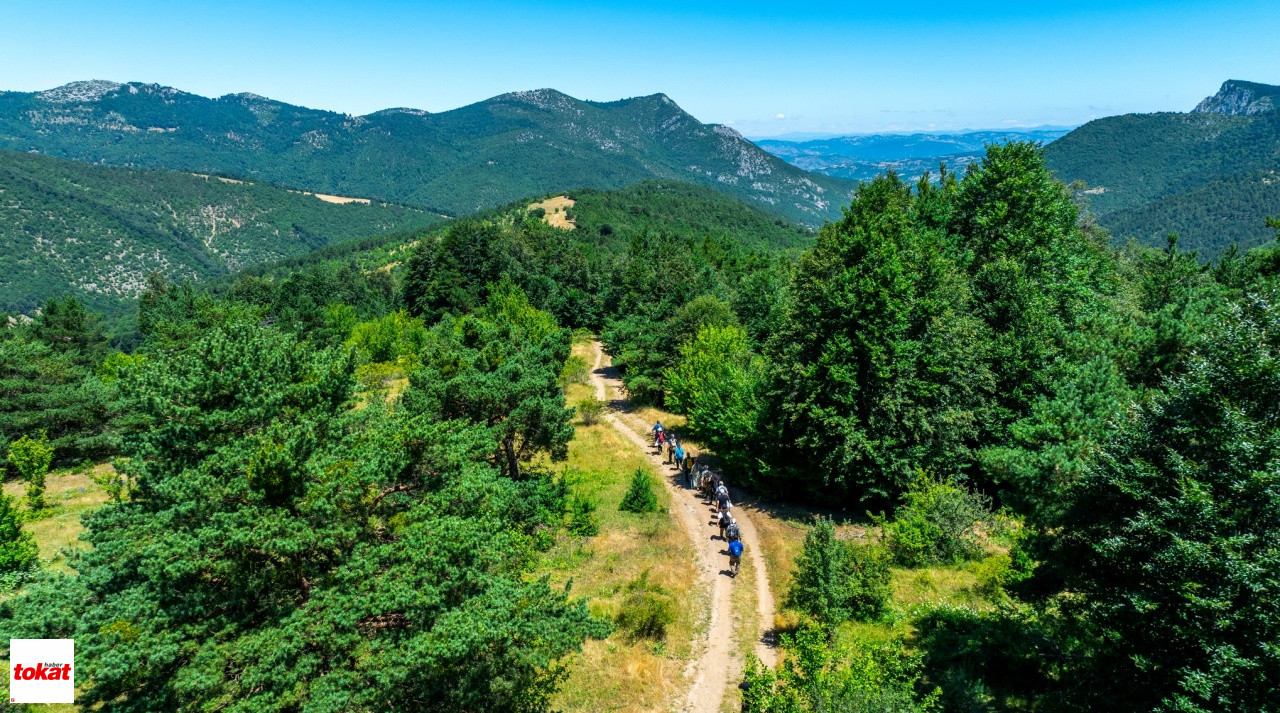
330,470
1197,174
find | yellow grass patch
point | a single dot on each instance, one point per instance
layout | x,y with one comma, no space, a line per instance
341,199
555,214
69,495
619,674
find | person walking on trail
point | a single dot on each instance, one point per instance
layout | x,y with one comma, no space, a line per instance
735,557
679,456
688,463
733,532
692,475
722,502
723,521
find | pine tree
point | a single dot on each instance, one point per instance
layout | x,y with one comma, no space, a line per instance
18,551
640,497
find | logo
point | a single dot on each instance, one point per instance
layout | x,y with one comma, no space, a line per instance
42,671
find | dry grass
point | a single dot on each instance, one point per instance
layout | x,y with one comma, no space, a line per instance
554,212
70,494
618,674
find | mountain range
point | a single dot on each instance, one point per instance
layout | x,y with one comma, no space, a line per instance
456,162
1209,175
910,155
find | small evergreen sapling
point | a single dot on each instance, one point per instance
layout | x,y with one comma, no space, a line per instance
640,498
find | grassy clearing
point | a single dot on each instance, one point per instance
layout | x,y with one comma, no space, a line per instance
619,674
70,494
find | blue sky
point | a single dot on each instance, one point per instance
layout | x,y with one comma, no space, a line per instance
765,68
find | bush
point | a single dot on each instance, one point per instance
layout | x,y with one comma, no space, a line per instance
589,410
581,522
835,581
574,371
936,523
647,610
32,457
640,497
853,675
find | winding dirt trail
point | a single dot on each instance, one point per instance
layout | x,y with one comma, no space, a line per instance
716,661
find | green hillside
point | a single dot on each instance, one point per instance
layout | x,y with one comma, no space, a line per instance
97,232
458,161
1199,173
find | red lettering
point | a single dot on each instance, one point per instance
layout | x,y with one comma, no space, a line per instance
28,673
17,670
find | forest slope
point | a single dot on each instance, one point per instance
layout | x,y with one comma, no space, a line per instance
97,232
1149,174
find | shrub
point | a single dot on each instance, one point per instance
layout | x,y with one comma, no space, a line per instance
936,523
835,581
581,521
32,457
574,371
589,410
853,675
640,496
647,610
18,550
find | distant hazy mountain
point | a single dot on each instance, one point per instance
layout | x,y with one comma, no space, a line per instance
97,232
457,161
1210,175
865,157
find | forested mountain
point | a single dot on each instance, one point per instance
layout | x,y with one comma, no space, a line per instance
458,161
1207,174
96,232
910,155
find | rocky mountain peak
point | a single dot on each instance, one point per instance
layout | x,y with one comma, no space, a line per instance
1240,98
83,91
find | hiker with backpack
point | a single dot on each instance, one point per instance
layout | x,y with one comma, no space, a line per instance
735,557
733,532
678,456
723,521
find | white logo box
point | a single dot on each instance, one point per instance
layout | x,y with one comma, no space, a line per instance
42,670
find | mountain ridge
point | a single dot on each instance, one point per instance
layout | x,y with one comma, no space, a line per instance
1240,98
1206,174
457,161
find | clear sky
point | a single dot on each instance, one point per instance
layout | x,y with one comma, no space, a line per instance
765,68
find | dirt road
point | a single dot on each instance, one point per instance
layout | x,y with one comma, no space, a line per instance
716,662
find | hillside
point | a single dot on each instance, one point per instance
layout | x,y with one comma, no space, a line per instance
457,161
910,155
97,232
1198,173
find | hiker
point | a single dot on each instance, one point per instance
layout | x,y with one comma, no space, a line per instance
662,437
722,500
678,453
694,479
735,557
722,489
688,462
723,521
733,532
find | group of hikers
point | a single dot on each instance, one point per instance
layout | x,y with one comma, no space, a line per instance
699,476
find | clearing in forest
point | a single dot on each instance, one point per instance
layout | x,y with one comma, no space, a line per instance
555,211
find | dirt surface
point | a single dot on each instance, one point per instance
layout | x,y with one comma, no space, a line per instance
715,663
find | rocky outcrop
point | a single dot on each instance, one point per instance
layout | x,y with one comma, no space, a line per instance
1238,98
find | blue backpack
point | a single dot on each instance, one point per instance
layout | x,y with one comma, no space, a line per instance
735,548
